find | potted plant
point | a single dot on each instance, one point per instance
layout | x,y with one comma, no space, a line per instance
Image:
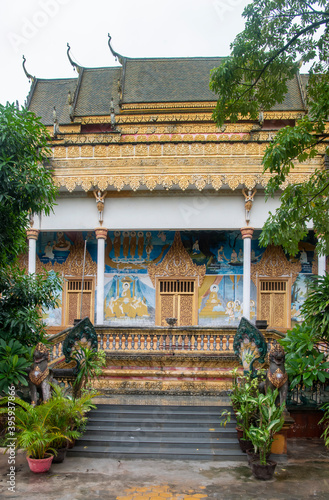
270,420
36,433
69,417
246,410
90,364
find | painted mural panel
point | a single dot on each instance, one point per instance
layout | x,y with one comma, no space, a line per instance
221,298
53,247
299,292
52,316
129,300
220,251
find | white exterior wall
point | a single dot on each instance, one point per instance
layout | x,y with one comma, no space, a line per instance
160,211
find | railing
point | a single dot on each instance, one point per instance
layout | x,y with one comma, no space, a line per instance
308,397
156,340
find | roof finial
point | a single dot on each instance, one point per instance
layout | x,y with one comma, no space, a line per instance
30,77
116,54
75,65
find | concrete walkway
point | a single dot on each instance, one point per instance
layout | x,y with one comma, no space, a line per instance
304,475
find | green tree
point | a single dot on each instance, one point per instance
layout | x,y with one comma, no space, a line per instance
25,182
25,187
279,36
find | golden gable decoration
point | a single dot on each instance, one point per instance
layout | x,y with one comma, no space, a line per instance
177,262
274,264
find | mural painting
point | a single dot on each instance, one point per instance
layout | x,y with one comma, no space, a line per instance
129,300
221,299
53,316
53,247
299,292
133,251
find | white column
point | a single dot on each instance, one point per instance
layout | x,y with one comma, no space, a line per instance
321,265
101,235
32,236
247,233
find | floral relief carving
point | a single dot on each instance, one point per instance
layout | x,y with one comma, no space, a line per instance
177,262
274,264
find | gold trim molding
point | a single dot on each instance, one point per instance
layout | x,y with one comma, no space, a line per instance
169,181
177,262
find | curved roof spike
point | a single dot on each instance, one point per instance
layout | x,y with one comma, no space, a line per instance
30,77
116,54
74,64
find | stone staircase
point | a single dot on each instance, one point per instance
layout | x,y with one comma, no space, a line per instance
158,432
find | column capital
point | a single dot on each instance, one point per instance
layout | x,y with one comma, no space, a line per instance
247,232
101,233
32,234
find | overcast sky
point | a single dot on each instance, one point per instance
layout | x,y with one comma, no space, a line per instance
40,29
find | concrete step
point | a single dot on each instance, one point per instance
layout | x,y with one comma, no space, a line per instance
128,442
175,453
177,432
159,431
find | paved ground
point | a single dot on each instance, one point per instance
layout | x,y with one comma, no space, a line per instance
303,476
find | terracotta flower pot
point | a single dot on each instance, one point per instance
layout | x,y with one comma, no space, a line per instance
263,472
39,465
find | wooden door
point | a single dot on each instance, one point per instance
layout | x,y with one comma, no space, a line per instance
73,299
176,298
274,303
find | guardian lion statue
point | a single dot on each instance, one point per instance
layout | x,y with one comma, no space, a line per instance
276,377
39,376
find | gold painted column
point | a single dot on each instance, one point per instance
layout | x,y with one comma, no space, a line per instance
247,233
101,235
32,236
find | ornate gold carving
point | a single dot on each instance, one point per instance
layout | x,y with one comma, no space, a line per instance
141,149
73,152
151,182
184,182
233,181
86,151
177,262
216,181
167,180
199,181
277,378
274,264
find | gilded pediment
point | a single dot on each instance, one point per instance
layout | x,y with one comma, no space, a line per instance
274,264
177,262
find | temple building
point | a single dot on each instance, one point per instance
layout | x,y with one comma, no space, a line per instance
159,211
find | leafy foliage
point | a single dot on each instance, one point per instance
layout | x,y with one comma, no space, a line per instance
36,433
22,297
305,344
270,421
14,359
26,187
325,421
91,363
25,182
278,36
